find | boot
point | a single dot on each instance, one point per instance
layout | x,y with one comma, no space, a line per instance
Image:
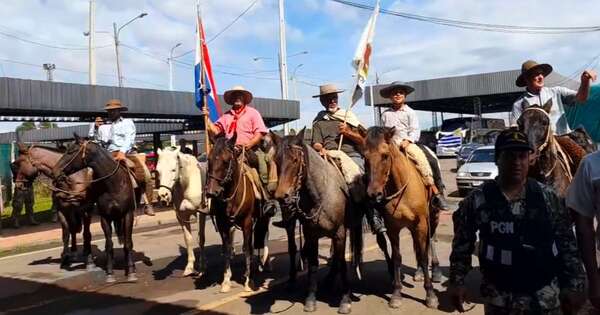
375,220
439,201
32,221
149,210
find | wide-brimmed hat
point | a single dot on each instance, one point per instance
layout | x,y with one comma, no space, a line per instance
328,89
512,139
396,85
228,96
530,66
114,104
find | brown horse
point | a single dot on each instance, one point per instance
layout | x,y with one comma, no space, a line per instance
115,196
551,164
71,197
235,205
396,185
316,193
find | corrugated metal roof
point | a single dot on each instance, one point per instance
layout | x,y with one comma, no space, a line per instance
455,94
20,97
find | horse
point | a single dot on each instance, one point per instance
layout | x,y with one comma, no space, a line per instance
396,185
181,183
551,164
72,198
317,194
235,205
115,196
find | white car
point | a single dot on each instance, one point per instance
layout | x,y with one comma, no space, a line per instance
480,167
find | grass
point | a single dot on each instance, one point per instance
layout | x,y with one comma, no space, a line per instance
42,207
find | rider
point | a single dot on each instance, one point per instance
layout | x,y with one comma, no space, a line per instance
121,140
532,77
23,195
327,129
245,121
406,124
99,131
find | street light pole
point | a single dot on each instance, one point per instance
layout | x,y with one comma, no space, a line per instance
91,43
293,78
116,36
283,60
170,61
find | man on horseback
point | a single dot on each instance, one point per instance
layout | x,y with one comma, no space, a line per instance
533,78
327,129
406,123
100,131
527,251
247,123
122,137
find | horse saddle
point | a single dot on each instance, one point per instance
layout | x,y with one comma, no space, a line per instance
257,187
135,166
573,147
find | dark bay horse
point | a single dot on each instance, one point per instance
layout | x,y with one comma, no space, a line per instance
235,206
115,196
71,197
395,183
551,163
316,192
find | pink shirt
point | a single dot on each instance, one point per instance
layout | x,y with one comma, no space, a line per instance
249,123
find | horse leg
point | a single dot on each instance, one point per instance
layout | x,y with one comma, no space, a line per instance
128,246
107,228
356,243
261,237
184,222
396,298
421,240
227,238
383,245
87,242
201,241
311,251
340,260
248,254
64,256
436,272
419,273
292,250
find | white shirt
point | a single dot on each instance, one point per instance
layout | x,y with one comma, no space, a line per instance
405,121
122,135
583,194
560,97
102,134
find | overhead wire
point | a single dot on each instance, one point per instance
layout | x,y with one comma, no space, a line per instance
72,48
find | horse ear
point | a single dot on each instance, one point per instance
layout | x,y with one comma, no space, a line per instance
276,139
548,106
389,132
300,136
22,147
78,139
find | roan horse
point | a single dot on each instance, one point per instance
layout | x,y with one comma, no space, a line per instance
316,193
551,163
115,196
72,198
396,184
235,206
181,183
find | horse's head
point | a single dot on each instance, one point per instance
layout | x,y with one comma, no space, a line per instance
222,163
535,123
75,158
290,162
377,152
168,173
23,171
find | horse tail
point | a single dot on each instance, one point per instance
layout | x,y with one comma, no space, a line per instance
356,243
119,230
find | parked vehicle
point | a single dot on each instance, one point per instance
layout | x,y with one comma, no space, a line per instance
456,131
479,168
465,152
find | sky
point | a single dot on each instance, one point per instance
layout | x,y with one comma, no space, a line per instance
246,53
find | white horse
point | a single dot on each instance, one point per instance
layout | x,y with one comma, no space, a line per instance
181,183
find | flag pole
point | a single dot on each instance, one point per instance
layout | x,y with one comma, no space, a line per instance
351,103
204,96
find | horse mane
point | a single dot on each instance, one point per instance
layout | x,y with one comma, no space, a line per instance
373,135
51,149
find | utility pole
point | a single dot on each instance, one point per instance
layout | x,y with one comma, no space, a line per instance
283,60
49,67
170,61
92,34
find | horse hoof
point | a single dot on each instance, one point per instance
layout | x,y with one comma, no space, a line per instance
225,288
110,279
188,272
419,277
90,267
248,288
432,302
345,308
436,276
395,302
132,278
310,306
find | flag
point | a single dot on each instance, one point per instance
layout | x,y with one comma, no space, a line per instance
452,139
363,55
202,64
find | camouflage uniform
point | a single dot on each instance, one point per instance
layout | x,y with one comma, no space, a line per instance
546,300
23,195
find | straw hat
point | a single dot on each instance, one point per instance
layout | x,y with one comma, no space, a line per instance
530,66
328,89
114,104
396,85
228,95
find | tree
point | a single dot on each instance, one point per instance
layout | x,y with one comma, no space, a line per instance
27,125
47,125
30,125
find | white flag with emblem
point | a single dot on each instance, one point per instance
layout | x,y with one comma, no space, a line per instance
363,55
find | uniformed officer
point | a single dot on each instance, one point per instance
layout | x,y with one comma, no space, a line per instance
527,252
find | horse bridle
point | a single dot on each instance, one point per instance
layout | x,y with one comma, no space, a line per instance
546,140
82,149
228,173
387,178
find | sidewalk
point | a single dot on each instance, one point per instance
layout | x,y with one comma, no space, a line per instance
46,233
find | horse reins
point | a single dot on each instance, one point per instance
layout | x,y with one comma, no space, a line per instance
294,199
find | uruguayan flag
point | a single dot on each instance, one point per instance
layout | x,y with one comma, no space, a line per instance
450,139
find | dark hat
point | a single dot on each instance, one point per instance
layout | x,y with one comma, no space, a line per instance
529,66
512,139
396,85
